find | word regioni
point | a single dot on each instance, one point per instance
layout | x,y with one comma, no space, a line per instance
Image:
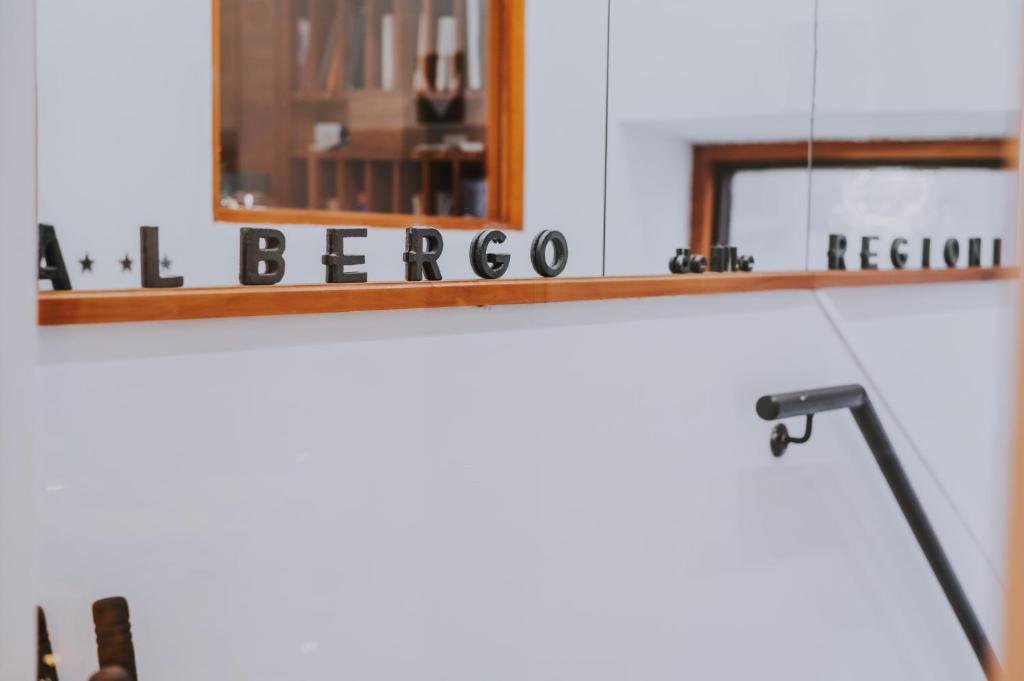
899,255
262,262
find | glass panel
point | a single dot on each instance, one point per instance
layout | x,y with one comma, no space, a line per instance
914,160
355,105
694,98
127,135
914,204
767,211
916,124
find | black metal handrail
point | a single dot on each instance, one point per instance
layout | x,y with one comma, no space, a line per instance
855,398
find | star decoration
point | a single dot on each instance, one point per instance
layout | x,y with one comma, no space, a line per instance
86,263
126,264
165,263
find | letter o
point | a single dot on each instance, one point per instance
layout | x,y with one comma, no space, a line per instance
951,252
538,253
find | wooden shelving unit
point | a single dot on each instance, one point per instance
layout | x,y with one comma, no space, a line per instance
340,79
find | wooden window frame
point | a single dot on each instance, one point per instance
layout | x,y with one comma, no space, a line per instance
713,164
504,153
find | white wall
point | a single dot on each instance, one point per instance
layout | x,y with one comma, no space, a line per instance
700,71
918,68
564,491
17,335
684,72
126,140
943,364
550,491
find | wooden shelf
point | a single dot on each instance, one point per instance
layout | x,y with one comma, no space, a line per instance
319,218
318,97
135,305
448,155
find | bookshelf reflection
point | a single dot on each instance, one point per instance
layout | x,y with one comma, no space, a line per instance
364,106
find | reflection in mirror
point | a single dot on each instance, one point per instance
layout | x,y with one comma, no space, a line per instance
377,107
910,189
916,122
695,89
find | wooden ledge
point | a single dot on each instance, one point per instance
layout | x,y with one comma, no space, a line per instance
136,305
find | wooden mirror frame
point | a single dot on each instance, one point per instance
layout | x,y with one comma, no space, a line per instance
504,156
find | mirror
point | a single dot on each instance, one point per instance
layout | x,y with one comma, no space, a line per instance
127,135
916,126
694,108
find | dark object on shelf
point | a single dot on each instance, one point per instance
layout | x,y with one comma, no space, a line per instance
111,674
252,253
46,665
836,252
114,635
488,265
245,182
442,106
926,253
746,263
997,252
539,252
951,252
149,253
49,253
974,252
724,259
683,261
680,262
855,398
335,260
898,257
432,108
866,254
423,246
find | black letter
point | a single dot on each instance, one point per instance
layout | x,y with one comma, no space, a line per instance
423,247
866,255
336,260
538,253
680,262
252,255
488,265
974,253
926,254
951,252
997,252
49,253
836,252
150,255
899,258
724,259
